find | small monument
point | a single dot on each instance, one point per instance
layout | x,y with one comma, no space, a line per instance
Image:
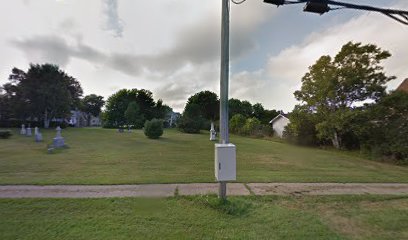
58,140
38,135
29,133
213,133
23,130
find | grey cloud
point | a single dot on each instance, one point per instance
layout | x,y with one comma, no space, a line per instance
45,48
196,45
113,21
56,50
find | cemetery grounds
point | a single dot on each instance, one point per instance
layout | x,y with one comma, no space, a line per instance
101,156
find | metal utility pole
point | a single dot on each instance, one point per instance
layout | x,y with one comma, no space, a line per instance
224,79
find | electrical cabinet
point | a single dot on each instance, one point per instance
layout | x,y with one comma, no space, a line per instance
225,162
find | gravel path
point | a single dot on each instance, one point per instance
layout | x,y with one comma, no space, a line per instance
167,190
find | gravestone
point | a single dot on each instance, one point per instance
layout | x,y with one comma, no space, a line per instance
213,133
58,141
23,130
29,133
38,135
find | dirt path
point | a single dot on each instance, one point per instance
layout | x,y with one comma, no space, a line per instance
167,190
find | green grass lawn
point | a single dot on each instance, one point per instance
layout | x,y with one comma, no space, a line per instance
203,217
103,156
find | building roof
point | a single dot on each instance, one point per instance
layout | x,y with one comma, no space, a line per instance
403,86
281,115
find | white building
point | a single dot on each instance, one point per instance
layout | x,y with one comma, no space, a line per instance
279,123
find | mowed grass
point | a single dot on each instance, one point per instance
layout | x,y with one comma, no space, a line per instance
104,156
204,217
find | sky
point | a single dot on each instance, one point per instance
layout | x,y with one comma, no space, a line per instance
172,47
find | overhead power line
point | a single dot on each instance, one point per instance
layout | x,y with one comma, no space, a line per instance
323,6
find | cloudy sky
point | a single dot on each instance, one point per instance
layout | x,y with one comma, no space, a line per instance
171,47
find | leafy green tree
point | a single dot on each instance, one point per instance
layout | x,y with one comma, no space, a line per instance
161,110
117,104
133,116
92,105
264,115
236,124
208,103
237,106
252,127
44,92
333,86
302,127
234,107
246,109
386,131
191,121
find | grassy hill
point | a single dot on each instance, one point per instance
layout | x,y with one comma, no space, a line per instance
104,156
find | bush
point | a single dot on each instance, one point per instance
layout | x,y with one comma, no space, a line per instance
4,134
153,129
252,127
237,123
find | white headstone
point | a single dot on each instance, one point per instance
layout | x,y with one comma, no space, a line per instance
58,141
23,130
213,133
58,131
29,133
37,135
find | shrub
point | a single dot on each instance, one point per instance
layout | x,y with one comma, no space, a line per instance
153,129
4,134
237,123
252,127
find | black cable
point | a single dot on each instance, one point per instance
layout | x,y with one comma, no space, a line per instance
236,2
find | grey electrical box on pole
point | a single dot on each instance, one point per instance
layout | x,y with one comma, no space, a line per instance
224,152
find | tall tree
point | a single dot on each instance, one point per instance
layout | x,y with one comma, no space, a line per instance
117,104
44,92
92,105
333,86
264,115
208,103
133,116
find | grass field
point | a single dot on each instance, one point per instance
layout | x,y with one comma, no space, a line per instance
103,156
202,217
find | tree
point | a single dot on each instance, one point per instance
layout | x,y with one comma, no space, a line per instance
161,110
191,121
237,106
117,104
264,115
133,116
92,105
386,133
302,127
44,92
333,86
236,124
208,104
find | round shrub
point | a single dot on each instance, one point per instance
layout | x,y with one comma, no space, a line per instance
153,129
4,134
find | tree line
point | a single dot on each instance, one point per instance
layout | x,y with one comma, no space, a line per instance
202,109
